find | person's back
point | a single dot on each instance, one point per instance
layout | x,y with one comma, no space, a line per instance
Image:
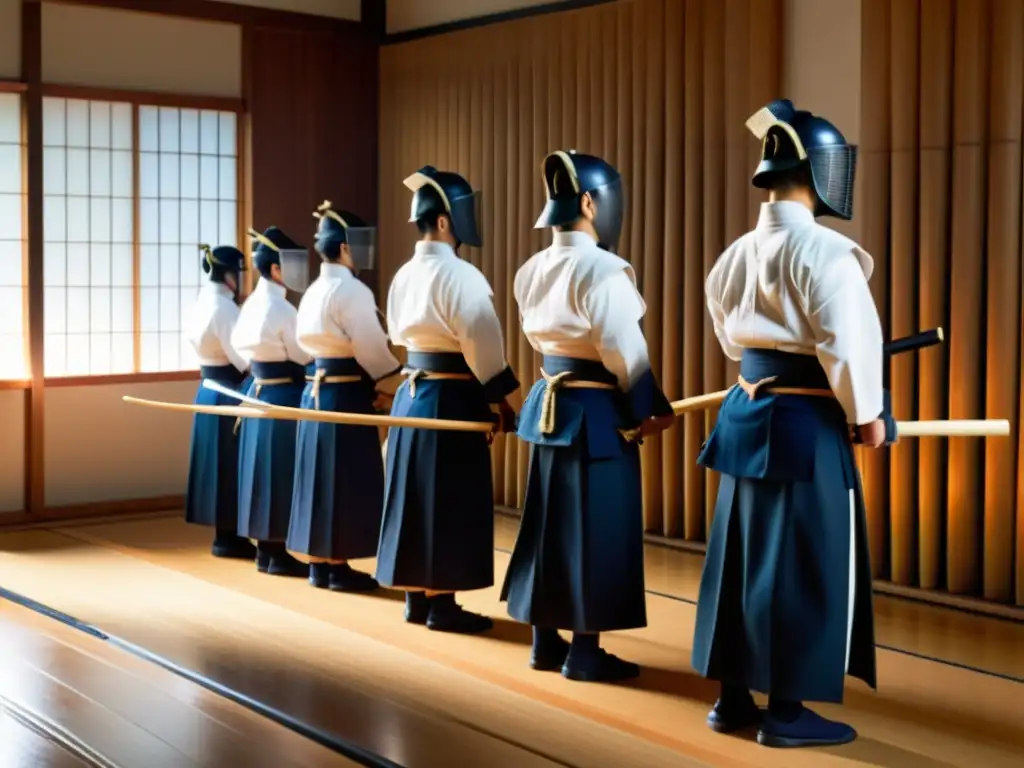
438,302
209,324
212,495
338,489
555,291
265,334
785,597
796,286
578,560
437,534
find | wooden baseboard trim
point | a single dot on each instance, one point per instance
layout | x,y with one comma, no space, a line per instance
973,605
930,597
118,510
118,378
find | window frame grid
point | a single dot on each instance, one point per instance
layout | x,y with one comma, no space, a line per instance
21,382
136,100
89,196
216,202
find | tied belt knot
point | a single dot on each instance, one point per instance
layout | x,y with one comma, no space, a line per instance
260,383
416,374
767,384
554,383
321,377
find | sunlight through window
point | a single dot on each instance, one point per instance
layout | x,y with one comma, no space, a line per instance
12,272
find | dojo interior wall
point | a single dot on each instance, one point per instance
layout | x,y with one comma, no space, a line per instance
12,401
407,15
662,89
303,147
95,449
942,126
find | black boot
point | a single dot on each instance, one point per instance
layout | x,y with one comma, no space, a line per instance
345,578
417,607
320,575
272,558
227,543
734,710
549,650
588,662
791,724
448,616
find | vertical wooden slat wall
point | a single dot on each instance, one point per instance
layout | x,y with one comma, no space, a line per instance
942,127
289,76
662,89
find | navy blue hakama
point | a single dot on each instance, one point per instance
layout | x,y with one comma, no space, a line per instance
266,455
774,612
339,475
438,526
212,495
578,562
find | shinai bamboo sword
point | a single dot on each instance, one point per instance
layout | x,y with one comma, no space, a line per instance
940,428
955,428
936,428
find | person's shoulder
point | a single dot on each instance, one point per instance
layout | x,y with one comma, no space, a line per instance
533,262
465,274
819,246
525,273
599,265
281,307
402,271
741,243
353,289
226,306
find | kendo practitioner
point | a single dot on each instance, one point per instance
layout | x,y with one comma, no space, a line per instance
437,536
578,563
265,335
785,597
212,496
339,475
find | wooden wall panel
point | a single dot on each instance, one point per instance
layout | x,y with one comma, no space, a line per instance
942,96
312,103
658,87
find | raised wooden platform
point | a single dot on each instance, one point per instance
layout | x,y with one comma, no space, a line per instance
348,664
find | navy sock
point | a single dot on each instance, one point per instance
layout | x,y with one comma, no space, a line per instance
585,643
272,548
784,710
546,638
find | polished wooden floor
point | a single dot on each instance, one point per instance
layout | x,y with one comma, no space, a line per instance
69,699
348,664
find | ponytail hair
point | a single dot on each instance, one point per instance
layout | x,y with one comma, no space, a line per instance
207,262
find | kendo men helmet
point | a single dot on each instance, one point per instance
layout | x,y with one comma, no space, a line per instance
275,247
444,192
792,139
222,260
339,228
568,176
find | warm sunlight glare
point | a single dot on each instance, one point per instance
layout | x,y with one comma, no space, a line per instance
12,357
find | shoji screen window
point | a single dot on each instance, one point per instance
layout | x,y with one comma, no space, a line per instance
188,185
88,225
12,273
